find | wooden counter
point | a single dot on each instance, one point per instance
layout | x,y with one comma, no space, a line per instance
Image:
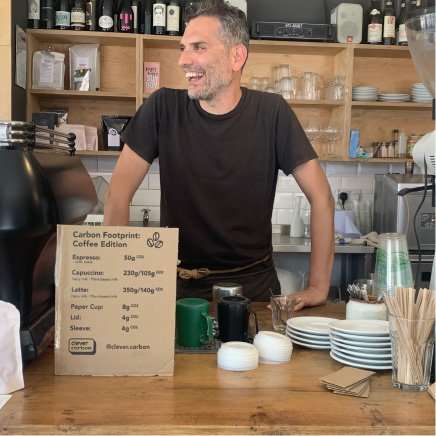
201,399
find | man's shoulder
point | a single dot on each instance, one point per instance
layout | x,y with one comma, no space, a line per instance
169,95
269,99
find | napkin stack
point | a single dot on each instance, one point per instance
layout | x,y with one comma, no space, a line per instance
348,381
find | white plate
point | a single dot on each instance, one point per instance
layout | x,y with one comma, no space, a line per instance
366,355
361,327
311,324
312,336
365,339
347,342
309,341
357,364
315,347
367,361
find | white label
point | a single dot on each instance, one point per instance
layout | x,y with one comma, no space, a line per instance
82,62
46,71
389,27
135,16
173,18
34,10
402,36
375,32
159,14
3,132
78,17
63,18
113,138
105,22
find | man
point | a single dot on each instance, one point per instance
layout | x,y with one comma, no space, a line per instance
220,147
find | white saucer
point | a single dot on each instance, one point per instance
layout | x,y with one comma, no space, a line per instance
311,324
366,361
315,347
357,364
361,327
378,345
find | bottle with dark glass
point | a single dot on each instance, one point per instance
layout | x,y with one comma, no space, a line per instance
389,24
147,25
159,17
106,20
401,27
63,15
173,18
411,8
47,14
33,14
137,14
126,17
91,15
78,15
187,7
375,24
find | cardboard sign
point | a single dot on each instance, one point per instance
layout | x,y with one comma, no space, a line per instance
115,300
151,76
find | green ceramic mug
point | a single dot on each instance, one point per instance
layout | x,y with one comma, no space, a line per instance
193,324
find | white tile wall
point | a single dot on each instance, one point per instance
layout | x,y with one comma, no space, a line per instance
350,177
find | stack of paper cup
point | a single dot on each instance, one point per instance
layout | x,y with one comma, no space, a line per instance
237,356
273,347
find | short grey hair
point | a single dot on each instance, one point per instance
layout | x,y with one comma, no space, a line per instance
234,26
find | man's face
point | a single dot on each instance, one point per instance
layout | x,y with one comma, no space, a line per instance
205,59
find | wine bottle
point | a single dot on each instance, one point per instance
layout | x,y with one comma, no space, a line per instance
78,15
47,14
126,17
106,21
137,14
63,15
33,14
389,24
375,25
91,15
173,18
148,17
401,29
159,17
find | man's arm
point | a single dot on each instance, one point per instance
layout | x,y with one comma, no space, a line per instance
128,174
313,182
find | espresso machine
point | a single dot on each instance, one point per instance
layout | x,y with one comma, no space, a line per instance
42,184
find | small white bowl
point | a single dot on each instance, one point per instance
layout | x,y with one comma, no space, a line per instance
237,356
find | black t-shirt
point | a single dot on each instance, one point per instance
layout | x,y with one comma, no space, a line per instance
218,173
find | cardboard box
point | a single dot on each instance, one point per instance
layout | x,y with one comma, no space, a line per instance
115,300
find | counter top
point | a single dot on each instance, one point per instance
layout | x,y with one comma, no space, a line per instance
287,244
201,399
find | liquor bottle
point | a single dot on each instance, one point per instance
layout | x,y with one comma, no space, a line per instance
147,26
159,17
137,14
126,18
187,7
106,21
375,25
389,24
173,18
91,15
63,15
401,29
47,14
78,15
33,14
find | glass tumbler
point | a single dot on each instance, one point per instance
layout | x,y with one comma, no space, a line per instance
412,352
281,308
392,266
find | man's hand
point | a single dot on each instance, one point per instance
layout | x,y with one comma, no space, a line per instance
308,298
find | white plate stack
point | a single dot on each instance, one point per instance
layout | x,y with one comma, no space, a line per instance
310,331
420,94
364,93
363,344
273,347
237,356
393,97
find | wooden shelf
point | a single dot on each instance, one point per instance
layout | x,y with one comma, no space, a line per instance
384,105
298,47
331,103
83,37
384,51
81,94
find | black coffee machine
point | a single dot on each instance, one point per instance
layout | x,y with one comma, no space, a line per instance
42,184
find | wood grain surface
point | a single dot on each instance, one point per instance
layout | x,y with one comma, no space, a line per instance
202,399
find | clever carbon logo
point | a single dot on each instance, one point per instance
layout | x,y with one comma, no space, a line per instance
82,346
